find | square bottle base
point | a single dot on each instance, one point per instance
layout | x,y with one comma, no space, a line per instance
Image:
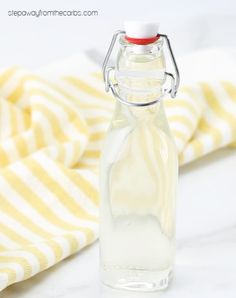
137,280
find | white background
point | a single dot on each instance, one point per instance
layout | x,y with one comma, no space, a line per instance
34,42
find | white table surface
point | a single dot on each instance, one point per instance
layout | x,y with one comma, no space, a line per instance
206,244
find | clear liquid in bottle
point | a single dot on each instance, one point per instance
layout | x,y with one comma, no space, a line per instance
138,177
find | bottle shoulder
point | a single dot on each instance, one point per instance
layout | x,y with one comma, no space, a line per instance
140,125
153,116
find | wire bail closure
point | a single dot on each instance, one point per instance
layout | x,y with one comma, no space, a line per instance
175,79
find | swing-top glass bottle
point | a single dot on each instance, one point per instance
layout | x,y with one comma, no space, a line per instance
138,172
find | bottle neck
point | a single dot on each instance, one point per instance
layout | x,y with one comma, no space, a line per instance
140,71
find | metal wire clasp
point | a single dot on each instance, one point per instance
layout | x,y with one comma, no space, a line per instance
175,79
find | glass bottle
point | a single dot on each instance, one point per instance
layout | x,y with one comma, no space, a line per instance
138,172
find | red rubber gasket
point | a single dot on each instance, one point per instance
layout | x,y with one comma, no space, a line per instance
142,41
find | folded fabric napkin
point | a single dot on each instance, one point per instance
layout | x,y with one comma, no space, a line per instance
52,126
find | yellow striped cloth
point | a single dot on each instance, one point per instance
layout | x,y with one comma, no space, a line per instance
51,131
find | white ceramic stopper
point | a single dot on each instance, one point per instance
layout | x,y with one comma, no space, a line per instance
141,29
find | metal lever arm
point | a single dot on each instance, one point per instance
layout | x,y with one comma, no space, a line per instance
174,89
107,57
